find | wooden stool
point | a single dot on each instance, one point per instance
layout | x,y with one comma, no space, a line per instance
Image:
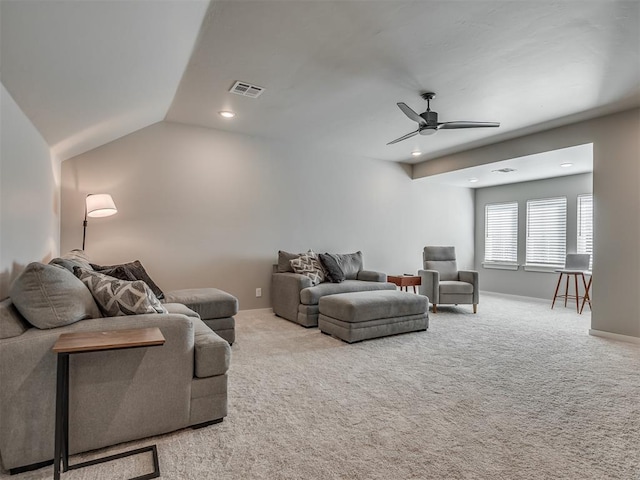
575,264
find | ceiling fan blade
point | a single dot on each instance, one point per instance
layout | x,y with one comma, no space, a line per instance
451,125
404,137
411,114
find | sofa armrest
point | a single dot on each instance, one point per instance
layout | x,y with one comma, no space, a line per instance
285,293
212,353
430,284
132,383
471,276
371,276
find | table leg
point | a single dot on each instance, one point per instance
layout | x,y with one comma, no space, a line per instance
62,408
414,289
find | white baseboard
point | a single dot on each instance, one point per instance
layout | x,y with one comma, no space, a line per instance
268,309
614,336
515,297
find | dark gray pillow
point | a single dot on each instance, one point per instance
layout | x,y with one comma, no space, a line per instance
350,263
333,271
49,296
284,259
130,272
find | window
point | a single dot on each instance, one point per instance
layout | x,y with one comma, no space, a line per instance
585,225
501,233
547,232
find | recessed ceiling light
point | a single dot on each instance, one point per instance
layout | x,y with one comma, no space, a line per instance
227,114
416,154
473,180
566,165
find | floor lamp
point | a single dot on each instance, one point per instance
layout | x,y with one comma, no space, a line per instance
97,205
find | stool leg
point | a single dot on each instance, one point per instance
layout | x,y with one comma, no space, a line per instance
555,294
566,291
587,297
575,277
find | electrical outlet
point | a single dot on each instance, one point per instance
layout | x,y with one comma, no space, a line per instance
258,292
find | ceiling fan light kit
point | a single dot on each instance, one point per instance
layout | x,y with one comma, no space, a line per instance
428,121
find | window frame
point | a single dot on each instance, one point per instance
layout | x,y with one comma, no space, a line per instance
534,242
586,245
511,243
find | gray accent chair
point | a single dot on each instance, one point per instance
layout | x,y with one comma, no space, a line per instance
294,298
443,283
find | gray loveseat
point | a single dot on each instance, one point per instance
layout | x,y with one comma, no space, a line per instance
295,298
115,396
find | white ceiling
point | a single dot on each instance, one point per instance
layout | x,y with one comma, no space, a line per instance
88,72
527,168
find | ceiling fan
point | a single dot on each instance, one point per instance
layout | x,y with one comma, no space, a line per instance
428,121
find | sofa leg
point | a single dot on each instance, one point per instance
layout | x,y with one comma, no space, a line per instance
435,308
206,424
475,308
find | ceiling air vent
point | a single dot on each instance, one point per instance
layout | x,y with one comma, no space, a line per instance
246,89
504,170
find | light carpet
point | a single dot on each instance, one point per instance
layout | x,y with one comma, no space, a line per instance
517,391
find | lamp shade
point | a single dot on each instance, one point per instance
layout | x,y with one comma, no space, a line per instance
100,205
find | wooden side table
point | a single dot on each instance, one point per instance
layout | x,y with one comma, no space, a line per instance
405,281
84,342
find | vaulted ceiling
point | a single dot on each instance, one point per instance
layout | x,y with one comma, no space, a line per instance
86,73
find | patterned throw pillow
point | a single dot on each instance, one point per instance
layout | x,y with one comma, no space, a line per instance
119,297
309,266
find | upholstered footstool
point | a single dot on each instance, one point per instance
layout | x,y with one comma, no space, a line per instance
357,316
215,307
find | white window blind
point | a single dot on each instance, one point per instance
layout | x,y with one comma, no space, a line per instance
585,225
501,233
547,232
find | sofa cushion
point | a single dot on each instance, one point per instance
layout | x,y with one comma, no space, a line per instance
120,297
283,261
74,258
308,265
212,353
50,296
350,263
448,268
332,269
11,322
130,271
180,309
452,286
207,302
312,295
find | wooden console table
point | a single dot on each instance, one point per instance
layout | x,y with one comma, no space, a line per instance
405,281
84,342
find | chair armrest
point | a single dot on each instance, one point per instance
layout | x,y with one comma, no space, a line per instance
371,276
471,276
430,285
285,293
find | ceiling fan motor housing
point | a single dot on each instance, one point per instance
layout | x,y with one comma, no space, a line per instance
430,117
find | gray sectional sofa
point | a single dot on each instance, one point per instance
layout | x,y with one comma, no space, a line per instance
115,396
295,298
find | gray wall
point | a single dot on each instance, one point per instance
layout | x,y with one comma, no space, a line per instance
29,194
521,282
616,193
201,207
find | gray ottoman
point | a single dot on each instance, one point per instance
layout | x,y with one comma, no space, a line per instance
215,307
357,316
